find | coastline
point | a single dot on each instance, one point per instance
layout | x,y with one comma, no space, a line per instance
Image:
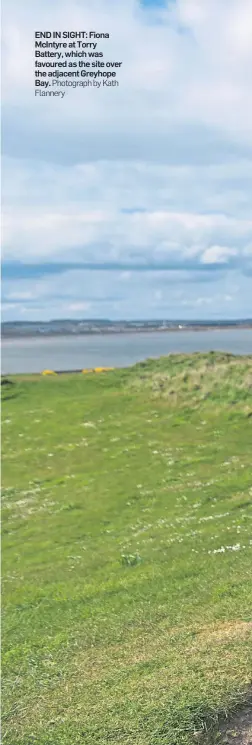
122,332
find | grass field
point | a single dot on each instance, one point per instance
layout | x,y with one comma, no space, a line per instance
127,553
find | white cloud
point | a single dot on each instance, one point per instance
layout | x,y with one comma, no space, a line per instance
79,307
20,296
217,255
147,294
118,211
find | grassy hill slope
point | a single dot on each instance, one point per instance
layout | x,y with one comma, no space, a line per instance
127,552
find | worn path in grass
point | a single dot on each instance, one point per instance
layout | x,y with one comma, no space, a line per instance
127,553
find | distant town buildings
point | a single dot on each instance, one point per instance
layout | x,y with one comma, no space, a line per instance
65,327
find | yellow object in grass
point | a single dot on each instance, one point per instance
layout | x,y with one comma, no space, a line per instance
49,372
103,369
97,370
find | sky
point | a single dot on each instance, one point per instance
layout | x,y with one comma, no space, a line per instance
136,201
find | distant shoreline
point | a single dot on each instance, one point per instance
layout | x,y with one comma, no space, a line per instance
123,332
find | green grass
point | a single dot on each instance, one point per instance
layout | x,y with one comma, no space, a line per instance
127,553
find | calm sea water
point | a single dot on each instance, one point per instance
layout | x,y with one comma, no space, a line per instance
119,350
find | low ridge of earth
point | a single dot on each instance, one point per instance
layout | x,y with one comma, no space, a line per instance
126,534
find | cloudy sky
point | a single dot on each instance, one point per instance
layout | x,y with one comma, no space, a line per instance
130,202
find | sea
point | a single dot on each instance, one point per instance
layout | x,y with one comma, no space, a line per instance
66,353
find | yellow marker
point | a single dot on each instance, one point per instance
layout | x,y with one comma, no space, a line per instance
49,372
103,369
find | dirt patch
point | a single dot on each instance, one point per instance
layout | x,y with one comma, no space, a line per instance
226,631
238,731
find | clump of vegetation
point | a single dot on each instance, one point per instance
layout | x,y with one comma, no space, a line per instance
126,514
6,381
192,379
130,560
